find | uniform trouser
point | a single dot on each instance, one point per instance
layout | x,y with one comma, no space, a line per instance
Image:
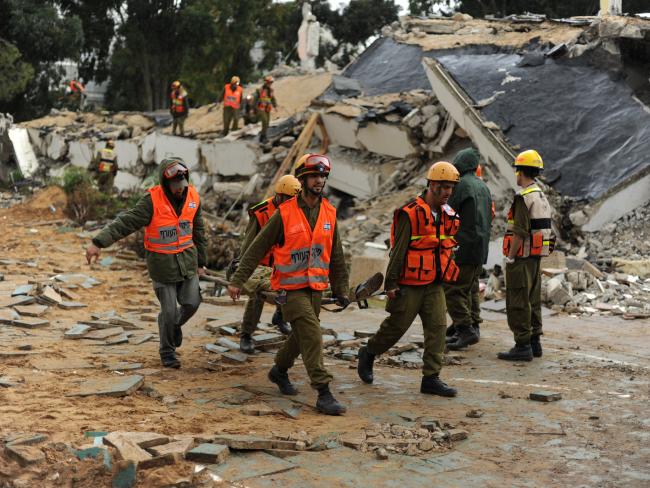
230,115
427,301
180,123
260,281
462,296
265,118
306,339
523,298
105,182
187,294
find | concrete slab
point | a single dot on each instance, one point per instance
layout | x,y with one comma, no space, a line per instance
208,453
31,323
229,158
187,149
242,466
148,148
57,147
23,151
391,140
80,153
77,331
25,455
357,179
32,310
126,181
37,141
128,153
341,130
110,386
44,364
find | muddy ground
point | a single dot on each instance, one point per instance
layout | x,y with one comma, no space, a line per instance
597,435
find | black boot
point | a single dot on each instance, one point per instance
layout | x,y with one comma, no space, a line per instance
477,329
327,404
281,378
246,343
517,353
536,346
170,361
178,336
466,337
364,365
278,321
433,385
451,330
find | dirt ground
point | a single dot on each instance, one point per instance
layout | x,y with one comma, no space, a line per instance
597,435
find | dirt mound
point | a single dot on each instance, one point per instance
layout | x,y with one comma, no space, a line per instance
40,206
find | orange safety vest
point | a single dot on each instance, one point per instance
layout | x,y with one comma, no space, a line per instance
303,260
106,160
430,253
178,101
265,100
168,233
75,86
232,98
262,212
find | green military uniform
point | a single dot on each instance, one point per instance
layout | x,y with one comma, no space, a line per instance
105,167
303,306
473,202
428,301
263,115
523,284
230,117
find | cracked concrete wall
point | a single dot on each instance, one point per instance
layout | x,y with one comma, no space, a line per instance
187,149
359,180
126,181
229,158
341,130
80,153
128,154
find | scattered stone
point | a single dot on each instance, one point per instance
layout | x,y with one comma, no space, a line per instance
25,455
140,339
125,475
474,413
235,356
115,340
69,294
223,342
7,382
102,334
249,442
457,434
545,396
381,453
426,445
27,440
208,453
363,333
123,366
76,331
344,336
257,409
214,348
179,447
124,323
50,295
31,323
71,305
227,330
268,339
32,310
22,290
110,386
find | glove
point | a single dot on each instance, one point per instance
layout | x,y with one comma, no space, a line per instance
510,260
232,268
342,301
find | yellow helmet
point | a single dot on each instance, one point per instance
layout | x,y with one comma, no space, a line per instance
110,143
312,164
530,159
176,84
268,79
234,80
288,185
443,171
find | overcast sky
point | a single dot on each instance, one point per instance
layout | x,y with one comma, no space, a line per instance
402,3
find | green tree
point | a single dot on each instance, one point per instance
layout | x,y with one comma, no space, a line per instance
362,19
15,74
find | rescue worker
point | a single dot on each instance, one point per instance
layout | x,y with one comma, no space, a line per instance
422,243
231,96
76,92
175,247
179,107
265,103
307,257
288,186
249,110
105,167
473,203
529,236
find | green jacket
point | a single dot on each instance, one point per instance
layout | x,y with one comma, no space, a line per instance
273,233
163,268
473,203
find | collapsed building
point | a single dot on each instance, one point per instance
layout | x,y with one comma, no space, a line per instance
575,89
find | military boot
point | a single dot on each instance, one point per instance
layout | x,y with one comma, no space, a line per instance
327,404
433,385
477,329
178,336
246,343
466,337
281,378
536,346
521,352
278,321
451,330
170,361
364,365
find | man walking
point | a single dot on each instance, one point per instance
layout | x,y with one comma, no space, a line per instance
473,203
105,167
422,243
307,257
175,245
265,104
179,107
287,187
529,237
231,96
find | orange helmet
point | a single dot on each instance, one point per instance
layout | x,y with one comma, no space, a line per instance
235,80
310,164
176,84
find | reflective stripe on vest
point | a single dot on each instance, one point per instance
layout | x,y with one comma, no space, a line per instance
262,212
265,100
178,101
168,233
232,98
541,239
106,160
303,260
429,256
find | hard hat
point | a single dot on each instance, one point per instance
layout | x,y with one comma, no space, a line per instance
530,159
443,171
288,185
110,143
312,164
234,79
268,79
176,84
479,171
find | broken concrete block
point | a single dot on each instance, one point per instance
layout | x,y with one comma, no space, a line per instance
235,357
76,332
71,305
126,181
101,334
257,410
431,127
22,290
125,474
186,149
27,440
31,310
214,348
31,322
341,130
148,148
344,336
8,315
6,382
140,339
179,447
57,148
224,329
158,461
457,434
110,386
128,154
124,323
381,454
118,339
25,455
223,342
556,292
229,158
80,153
208,453
578,280
545,396
249,442
271,338
328,340
49,294
391,140
578,218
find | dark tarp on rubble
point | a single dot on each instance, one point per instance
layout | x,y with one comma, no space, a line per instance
585,122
